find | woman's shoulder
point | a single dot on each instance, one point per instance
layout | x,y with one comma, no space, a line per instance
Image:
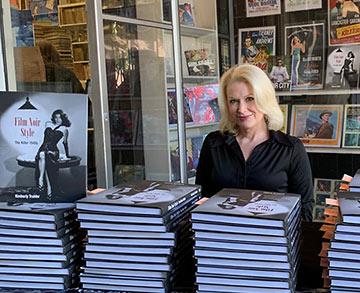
216,138
285,138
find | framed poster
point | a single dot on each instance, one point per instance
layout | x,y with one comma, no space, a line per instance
279,72
344,22
298,5
261,8
43,147
284,110
305,44
256,45
351,132
317,125
342,70
123,127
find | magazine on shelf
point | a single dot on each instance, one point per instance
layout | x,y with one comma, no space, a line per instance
172,107
261,8
343,21
139,197
186,14
248,207
203,103
200,62
279,72
256,45
317,125
123,126
305,44
34,123
342,70
351,131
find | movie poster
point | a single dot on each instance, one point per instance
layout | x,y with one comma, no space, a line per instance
305,45
261,7
342,70
43,147
351,133
279,72
344,22
299,5
256,45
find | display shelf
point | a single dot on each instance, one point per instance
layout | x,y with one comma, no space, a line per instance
194,129
333,150
319,92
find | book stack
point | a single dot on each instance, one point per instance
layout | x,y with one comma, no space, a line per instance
247,240
354,184
139,237
40,245
344,250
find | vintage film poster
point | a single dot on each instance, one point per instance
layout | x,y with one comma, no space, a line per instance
261,8
284,109
279,72
323,189
342,70
351,132
200,62
299,5
256,45
43,147
186,14
317,125
305,44
344,22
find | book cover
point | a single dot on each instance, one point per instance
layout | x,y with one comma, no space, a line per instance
43,147
48,212
186,14
305,44
144,196
123,126
256,45
203,103
248,207
172,108
350,207
317,125
261,8
200,62
351,131
343,22
342,71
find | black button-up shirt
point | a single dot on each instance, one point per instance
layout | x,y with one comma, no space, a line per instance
279,164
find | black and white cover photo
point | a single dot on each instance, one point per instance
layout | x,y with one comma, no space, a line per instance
43,147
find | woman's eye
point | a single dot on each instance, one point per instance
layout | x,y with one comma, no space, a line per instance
232,101
249,99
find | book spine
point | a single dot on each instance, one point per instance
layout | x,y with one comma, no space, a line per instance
180,200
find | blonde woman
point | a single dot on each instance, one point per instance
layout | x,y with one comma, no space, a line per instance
249,151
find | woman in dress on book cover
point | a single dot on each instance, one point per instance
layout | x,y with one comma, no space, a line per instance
53,149
249,151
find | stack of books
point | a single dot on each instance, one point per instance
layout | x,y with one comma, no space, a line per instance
247,240
139,237
40,245
344,250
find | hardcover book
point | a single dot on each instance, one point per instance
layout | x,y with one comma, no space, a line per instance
350,207
200,62
139,197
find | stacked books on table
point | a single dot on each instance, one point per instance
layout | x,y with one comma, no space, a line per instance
247,241
40,246
139,237
344,250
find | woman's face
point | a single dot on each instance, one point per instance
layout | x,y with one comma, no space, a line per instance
58,119
247,42
242,107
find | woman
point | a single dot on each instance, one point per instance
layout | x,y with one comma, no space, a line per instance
296,48
250,50
53,149
279,72
249,151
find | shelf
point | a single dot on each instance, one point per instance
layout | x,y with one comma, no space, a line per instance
198,80
333,150
71,5
331,92
81,62
194,31
80,43
73,24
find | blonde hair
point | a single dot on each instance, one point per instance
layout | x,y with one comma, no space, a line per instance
264,94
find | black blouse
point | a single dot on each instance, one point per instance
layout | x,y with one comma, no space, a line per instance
279,164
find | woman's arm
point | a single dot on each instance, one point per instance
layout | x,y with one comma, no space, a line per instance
300,180
63,147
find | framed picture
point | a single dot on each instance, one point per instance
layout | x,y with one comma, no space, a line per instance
305,44
279,72
200,62
123,127
284,110
351,132
343,22
186,14
256,45
317,125
261,8
298,5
